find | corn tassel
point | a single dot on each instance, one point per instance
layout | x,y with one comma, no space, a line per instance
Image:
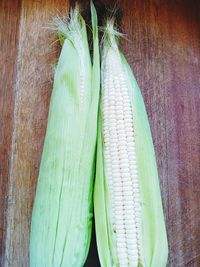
63,208
129,219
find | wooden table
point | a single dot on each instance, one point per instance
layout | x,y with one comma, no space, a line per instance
163,49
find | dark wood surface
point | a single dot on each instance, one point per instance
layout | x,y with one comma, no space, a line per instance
9,26
163,49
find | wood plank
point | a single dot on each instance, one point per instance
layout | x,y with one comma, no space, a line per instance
9,22
33,87
183,140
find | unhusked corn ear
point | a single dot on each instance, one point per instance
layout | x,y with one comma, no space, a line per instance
129,217
63,206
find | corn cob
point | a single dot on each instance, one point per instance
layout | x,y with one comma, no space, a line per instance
129,220
63,206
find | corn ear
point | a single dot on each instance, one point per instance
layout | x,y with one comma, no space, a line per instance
129,219
63,206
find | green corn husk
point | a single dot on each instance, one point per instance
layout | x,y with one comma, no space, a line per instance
154,246
63,208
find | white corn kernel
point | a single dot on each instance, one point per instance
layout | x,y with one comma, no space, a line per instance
121,168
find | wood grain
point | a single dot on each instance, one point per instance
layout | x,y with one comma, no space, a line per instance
163,49
9,18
